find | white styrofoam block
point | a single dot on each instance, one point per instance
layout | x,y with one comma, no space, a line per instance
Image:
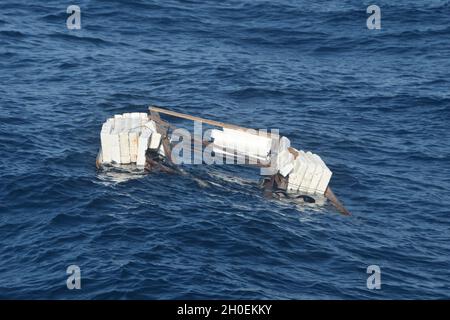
135,125
292,187
106,142
128,123
235,141
217,136
287,169
121,138
284,144
317,174
143,143
303,171
106,146
302,168
307,179
265,147
115,148
221,151
133,136
124,148
215,133
136,122
143,118
261,147
241,142
151,125
250,143
118,125
325,179
310,174
282,159
155,141
297,173
275,144
219,143
285,162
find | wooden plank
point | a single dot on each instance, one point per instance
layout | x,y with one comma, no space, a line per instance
334,200
154,112
193,118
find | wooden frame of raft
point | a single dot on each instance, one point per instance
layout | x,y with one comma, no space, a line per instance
163,126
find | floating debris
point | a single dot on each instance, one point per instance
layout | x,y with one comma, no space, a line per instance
142,140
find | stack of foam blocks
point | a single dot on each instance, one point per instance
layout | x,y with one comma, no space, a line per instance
230,142
126,137
306,172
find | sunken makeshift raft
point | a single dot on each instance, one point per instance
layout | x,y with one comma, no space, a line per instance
143,140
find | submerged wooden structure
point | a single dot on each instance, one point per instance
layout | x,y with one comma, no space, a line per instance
144,139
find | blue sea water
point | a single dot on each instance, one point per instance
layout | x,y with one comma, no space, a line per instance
375,104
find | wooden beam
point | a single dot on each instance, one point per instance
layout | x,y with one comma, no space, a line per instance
329,194
164,126
193,118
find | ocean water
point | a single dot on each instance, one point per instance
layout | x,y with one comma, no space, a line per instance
374,104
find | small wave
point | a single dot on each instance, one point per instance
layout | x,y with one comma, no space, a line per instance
14,34
254,92
80,39
119,174
64,219
62,16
